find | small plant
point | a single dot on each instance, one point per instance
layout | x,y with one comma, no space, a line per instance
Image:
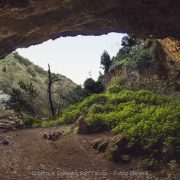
69,132
31,122
150,164
172,164
52,123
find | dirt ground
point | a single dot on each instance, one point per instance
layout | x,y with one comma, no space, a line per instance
29,156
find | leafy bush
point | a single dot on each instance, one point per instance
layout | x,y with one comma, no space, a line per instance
172,164
91,86
150,164
52,123
149,120
22,99
31,122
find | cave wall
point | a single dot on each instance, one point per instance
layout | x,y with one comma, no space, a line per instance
29,22
172,48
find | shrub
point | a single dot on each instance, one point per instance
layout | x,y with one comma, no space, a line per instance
91,86
172,164
148,120
31,122
128,41
52,123
150,164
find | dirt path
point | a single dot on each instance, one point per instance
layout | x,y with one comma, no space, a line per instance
29,156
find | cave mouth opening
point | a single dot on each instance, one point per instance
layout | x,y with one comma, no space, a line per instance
75,57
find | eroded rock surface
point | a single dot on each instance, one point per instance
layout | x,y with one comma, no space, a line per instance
29,22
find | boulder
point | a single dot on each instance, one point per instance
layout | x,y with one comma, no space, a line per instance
112,154
46,135
119,140
82,126
114,148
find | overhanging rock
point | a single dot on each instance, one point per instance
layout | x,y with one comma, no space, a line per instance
29,22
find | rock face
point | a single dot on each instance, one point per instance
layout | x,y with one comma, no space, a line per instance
165,66
29,22
8,124
172,48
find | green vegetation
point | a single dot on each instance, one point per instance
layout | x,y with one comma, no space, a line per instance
22,99
137,56
105,62
16,70
142,64
149,121
92,87
128,41
134,103
31,122
150,164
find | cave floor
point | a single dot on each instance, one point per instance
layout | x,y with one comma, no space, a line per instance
29,156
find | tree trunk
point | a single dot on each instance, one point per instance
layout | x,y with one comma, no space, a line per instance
50,92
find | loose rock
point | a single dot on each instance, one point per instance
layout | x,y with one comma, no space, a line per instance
82,126
102,146
125,158
52,136
96,142
4,142
112,154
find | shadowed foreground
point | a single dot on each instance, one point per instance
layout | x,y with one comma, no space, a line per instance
29,156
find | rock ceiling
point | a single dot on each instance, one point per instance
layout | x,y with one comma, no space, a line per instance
29,22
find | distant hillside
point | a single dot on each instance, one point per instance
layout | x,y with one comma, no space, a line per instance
15,68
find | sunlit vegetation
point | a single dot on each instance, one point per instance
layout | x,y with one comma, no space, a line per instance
143,65
140,102
138,107
20,78
150,121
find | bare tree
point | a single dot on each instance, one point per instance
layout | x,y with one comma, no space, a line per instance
52,78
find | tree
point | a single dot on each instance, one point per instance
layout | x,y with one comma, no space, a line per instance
105,62
52,78
22,99
92,86
127,41
77,94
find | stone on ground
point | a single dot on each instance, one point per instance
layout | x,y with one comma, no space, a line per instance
112,154
125,158
102,146
96,142
52,136
82,126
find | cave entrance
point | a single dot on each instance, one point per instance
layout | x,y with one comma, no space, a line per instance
75,57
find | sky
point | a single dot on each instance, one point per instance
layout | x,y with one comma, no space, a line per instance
77,58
